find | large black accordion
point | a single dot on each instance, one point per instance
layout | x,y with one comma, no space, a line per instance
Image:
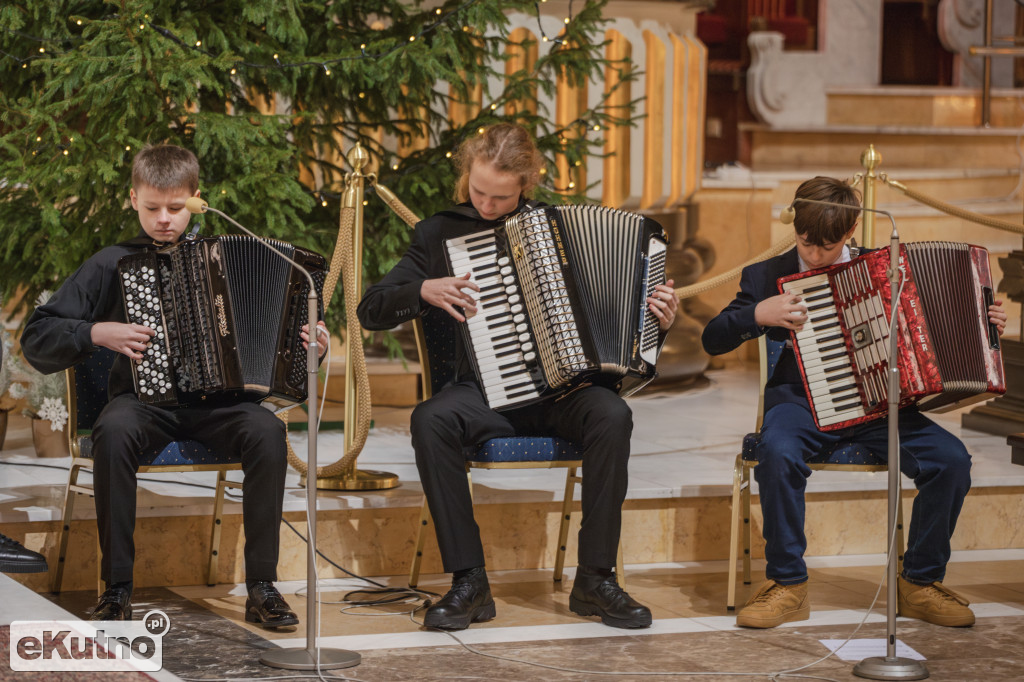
227,312
562,300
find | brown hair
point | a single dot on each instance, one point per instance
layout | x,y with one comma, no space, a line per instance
508,147
166,167
823,225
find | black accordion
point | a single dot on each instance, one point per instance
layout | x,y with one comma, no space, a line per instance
563,300
227,312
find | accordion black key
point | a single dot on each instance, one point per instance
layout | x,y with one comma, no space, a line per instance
227,312
562,300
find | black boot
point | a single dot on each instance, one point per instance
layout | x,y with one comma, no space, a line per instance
14,558
266,607
595,592
114,604
469,601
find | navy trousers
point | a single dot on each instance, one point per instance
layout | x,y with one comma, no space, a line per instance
934,458
457,419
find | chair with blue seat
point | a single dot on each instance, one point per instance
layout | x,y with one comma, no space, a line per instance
842,456
87,395
435,342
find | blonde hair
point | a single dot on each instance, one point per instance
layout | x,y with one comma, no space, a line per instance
166,167
506,146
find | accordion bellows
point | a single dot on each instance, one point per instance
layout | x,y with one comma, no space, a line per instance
227,312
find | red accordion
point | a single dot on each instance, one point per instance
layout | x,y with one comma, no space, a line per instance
948,350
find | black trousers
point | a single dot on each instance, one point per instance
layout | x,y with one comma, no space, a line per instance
457,419
127,427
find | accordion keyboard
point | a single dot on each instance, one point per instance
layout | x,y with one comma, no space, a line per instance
502,343
831,385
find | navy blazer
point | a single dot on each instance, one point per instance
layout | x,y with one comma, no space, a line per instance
735,324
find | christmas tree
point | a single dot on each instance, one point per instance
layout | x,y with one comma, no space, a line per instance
270,94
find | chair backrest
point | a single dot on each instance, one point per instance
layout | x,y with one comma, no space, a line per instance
768,352
89,379
435,342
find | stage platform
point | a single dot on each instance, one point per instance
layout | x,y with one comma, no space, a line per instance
677,509
675,541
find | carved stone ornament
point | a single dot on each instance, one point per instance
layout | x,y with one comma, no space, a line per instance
766,93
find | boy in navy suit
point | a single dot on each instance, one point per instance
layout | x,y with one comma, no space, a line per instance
933,457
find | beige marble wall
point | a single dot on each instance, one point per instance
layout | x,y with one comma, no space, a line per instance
921,106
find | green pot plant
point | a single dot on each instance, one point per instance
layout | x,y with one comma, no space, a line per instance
45,398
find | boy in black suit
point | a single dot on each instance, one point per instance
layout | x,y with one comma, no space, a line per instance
933,457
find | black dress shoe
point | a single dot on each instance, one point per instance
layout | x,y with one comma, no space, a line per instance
267,608
597,593
16,559
469,601
114,604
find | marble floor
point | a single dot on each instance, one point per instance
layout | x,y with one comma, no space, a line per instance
683,445
536,637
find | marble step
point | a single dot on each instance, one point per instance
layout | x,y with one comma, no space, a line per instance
902,146
921,106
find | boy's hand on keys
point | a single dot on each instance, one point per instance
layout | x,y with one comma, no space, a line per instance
785,310
127,339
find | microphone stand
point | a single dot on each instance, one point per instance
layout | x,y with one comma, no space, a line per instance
312,657
892,667
889,667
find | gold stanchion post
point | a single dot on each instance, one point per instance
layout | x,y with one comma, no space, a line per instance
870,159
354,478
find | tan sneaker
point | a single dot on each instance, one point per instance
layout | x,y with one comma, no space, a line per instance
933,603
775,604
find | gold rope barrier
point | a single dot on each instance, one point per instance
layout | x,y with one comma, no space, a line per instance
954,210
395,204
718,280
342,261
345,261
